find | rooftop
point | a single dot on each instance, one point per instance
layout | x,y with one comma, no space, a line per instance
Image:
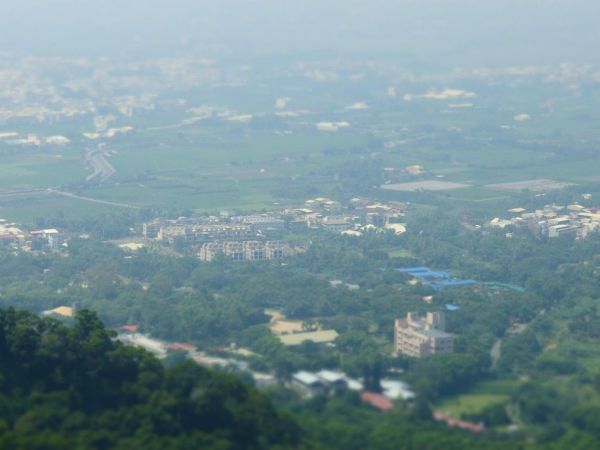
315,336
379,401
64,311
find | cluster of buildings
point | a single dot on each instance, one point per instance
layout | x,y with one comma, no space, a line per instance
130,335
27,92
418,337
328,381
242,238
245,250
439,280
246,237
13,236
323,382
200,229
553,221
353,219
14,138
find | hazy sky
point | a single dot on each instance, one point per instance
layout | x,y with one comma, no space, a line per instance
473,32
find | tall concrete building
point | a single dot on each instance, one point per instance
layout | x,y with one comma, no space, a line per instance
244,250
422,336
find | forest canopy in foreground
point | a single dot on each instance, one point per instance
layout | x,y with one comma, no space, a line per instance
76,387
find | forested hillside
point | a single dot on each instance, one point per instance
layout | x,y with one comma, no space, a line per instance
75,387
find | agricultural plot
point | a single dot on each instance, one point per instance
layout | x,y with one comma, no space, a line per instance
478,154
40,170
429,185
539,185
27,207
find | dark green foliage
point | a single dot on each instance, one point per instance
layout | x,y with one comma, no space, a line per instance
215,304
445,374
78,388
517,352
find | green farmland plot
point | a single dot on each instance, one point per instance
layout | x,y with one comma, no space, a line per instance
26,208
40,169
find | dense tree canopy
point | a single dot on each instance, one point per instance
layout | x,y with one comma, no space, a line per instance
75,387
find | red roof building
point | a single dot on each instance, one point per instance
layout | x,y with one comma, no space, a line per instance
181,346
458,423
379,401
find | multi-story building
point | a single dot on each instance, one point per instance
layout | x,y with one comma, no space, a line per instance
263,222
336,224
235,250
275,249
151,229
244,250
195,234
420,337
209,250
254,250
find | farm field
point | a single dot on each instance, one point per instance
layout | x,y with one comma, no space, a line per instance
507,134
432,185
40,169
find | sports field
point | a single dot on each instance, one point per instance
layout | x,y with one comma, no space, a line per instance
479,397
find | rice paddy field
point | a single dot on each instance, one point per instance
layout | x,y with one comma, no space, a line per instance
490,150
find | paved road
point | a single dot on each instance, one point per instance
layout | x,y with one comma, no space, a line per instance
90,199
497,347
495,352
102,169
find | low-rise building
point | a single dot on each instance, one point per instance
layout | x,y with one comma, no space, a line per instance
308,383
324,382
336,224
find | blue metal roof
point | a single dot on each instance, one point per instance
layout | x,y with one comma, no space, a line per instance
431,274
448,283
413,269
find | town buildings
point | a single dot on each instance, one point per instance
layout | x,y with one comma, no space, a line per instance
38,240
553,221
353,218
422,336
197,230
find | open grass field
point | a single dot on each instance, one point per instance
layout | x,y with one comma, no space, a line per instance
479,397
399,253
26,208
40,169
